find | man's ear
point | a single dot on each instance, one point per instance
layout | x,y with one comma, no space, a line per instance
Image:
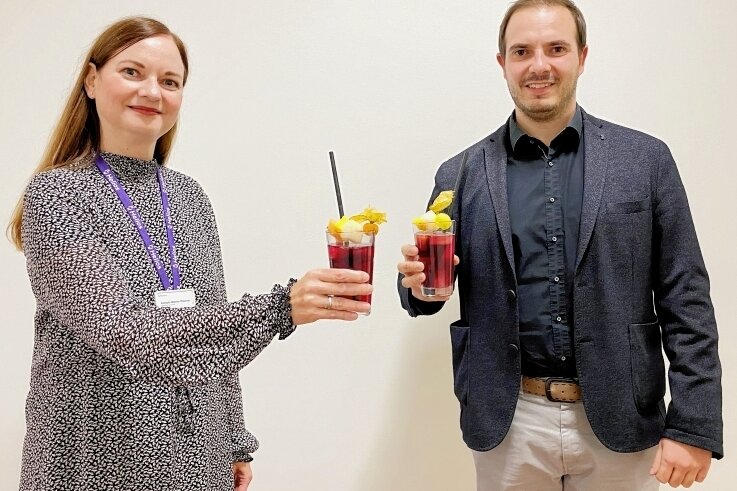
582,59
89,80
500,59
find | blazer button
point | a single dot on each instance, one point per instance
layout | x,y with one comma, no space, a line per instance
512,294
513,347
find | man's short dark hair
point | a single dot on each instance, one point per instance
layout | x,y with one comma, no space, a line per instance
521,4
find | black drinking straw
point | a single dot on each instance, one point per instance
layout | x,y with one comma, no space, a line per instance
461,169
337,185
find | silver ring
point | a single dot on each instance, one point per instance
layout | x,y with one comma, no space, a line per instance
330,302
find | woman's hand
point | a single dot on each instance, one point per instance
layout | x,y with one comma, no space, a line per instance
242,476
319,295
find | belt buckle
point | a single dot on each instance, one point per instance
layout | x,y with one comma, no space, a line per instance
551,380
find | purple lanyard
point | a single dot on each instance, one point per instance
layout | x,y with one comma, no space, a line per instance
135,218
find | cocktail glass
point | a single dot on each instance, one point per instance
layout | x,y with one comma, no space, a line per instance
436,250
352,250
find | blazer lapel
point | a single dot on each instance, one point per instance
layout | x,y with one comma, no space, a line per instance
495,161
596,153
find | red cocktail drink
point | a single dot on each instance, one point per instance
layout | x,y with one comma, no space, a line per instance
436,251
352,251
358,258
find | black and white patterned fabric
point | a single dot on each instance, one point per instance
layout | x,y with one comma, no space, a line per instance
124,395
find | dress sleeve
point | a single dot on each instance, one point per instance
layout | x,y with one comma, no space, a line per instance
244,443
78,283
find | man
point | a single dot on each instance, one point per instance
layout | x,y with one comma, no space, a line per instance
577,256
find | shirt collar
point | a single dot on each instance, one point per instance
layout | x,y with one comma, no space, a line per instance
515,132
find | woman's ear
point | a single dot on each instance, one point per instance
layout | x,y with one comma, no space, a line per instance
89,80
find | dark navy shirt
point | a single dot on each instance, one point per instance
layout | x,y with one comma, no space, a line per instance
545,192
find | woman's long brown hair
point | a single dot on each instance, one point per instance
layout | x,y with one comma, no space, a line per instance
77,134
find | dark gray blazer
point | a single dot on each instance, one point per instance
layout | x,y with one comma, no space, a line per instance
640,283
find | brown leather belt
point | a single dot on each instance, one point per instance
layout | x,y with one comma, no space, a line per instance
554,388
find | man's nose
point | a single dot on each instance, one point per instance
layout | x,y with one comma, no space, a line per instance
540,63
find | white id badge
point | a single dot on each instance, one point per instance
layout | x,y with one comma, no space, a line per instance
175,299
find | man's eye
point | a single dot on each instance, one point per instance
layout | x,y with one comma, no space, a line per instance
518,52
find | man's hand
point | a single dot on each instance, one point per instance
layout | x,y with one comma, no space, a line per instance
679,464
242,476
412,269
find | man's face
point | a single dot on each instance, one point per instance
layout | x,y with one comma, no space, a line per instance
542,62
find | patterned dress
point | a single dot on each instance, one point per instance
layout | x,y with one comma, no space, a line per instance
124,395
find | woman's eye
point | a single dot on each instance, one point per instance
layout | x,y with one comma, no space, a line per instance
130,71
172,84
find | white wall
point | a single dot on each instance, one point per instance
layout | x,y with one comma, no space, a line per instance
394,88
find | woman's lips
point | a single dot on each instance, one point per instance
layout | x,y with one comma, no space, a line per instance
149,111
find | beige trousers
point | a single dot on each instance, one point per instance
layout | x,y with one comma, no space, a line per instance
551,447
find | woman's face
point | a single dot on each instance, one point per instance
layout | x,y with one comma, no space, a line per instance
137,93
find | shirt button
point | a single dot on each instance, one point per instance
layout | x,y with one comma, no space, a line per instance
556,279
550,163
552,200
554,239
563,358
558,319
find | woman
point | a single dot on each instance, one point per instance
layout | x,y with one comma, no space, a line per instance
127,390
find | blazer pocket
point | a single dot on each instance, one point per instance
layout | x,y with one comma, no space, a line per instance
626,207
648,368
459,340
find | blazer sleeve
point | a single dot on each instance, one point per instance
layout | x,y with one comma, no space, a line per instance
78,283
686,315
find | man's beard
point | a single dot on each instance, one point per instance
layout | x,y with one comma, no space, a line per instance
540,111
